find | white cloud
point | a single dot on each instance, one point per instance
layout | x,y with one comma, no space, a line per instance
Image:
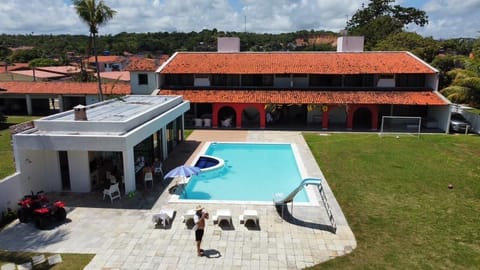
448,18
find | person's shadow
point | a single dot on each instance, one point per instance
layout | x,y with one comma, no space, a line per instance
212,253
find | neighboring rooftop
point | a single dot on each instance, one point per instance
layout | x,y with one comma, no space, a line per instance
115,75
145,64
296,63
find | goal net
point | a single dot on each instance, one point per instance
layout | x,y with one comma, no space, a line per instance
400,125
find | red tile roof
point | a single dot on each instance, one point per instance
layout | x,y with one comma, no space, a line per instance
58,88
310,97
296,63
143,64
107,59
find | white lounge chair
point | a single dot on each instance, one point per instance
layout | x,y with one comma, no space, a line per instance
165,216
36,260
249,215
222,215
24,266
54,259
113,192
188,215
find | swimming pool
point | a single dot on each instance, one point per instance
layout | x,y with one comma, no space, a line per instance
251,172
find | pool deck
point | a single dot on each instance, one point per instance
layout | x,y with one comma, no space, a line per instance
123,236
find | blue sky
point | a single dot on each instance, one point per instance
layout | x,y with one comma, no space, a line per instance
447,18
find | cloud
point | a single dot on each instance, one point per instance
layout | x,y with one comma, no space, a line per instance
448,18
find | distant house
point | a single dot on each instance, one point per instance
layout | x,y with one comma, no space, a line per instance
42,98
345,90
143,76
108,63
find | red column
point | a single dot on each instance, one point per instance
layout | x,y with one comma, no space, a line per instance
215,108
350,111
325,109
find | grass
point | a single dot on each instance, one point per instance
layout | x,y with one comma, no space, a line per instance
6,152
69,261
394,195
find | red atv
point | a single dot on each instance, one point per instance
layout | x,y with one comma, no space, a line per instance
36,207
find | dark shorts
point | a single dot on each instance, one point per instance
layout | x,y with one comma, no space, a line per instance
199,235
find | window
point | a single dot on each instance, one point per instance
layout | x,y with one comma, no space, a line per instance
142,79
325,80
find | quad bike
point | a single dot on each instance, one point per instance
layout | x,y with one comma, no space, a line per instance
36,207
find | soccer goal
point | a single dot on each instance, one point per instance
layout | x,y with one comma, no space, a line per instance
400,125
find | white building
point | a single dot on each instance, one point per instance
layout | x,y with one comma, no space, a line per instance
73,150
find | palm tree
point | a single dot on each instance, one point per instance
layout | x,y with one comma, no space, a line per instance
94,14
465,87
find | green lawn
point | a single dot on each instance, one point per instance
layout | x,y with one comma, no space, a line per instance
394,194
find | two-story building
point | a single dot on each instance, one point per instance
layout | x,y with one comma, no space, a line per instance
345,90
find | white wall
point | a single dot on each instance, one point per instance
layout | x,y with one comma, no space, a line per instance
79,169
10,192
144,89
228,44
441,114
350,44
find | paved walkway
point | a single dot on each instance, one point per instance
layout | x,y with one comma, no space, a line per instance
123,236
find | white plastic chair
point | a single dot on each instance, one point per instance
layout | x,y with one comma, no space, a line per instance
198,122
113,192
227,122
148,178
207,122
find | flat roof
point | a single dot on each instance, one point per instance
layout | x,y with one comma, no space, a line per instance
117,115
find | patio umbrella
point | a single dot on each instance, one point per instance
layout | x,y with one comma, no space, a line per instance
183,171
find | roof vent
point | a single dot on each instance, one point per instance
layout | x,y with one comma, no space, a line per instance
80,113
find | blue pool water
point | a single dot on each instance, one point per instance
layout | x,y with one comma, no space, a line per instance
252,172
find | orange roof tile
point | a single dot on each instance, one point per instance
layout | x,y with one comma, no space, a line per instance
107,59
296,63
58,88
143,64
310,97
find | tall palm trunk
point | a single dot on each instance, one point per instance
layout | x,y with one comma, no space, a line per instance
100,94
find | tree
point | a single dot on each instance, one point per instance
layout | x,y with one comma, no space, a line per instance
380,19
94,14
425,48
465,87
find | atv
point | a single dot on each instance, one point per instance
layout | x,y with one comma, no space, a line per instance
37,208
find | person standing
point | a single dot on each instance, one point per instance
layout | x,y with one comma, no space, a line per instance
199,218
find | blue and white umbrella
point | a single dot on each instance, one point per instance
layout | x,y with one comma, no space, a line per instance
183,171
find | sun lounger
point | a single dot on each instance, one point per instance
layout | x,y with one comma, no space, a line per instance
188,215
249,215
54,259
223,214
165,216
